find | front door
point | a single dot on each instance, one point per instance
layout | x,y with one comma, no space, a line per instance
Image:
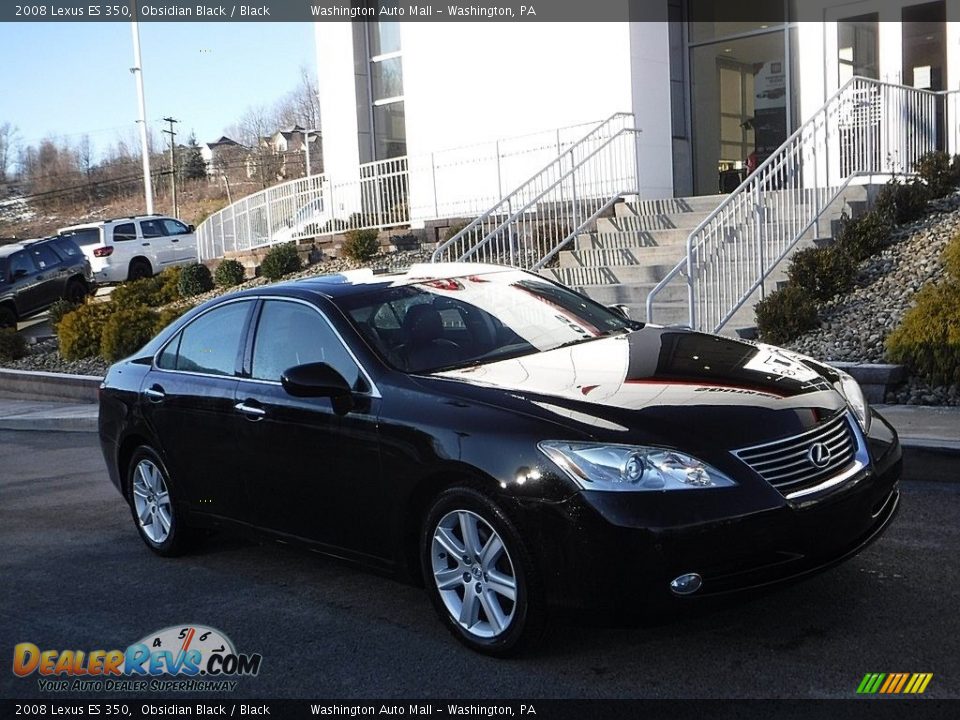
310,469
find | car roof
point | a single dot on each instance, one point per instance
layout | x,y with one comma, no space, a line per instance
358,282
11,248
107,221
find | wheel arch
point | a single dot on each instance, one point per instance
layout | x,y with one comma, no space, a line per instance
418,504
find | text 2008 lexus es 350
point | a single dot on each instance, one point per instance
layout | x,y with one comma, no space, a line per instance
511,443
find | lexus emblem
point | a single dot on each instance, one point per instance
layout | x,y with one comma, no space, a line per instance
819,455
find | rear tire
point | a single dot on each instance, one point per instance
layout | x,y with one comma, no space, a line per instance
139,269
481,578
75,292
8,318
153,504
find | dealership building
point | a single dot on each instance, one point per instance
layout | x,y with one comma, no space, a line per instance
706,95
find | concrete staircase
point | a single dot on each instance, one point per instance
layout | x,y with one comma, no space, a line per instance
627,255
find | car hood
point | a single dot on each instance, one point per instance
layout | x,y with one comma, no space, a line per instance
664,385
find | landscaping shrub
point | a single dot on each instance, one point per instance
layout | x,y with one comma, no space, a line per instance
127,330
822,272
361,245
168,315
13,345
279,261
195,279
79,331
154,291
928,339
940,173
902,202
863,237
786,314
951,258
229,273
58,310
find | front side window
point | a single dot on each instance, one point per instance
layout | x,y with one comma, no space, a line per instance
210,344
173,227
290,334
21,265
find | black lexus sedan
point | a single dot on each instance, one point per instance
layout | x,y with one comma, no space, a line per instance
507,442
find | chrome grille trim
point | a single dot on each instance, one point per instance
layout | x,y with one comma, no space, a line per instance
786,466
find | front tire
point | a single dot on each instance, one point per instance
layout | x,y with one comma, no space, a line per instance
8,318
481,578
76,292
152,504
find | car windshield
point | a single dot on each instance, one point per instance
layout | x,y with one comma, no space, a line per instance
442,324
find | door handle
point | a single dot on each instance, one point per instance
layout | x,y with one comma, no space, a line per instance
155,394
175,240
146,244
252,412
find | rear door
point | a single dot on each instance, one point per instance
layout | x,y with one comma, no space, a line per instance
183,242
188,397
159,244
127,245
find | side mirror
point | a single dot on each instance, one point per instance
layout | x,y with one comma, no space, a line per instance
318,380
620,309
191,228
19,273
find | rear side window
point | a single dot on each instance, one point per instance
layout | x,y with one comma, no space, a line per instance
84,236
151,229
67,249
44,257
127,231
210,344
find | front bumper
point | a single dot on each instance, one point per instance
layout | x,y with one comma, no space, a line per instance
625,548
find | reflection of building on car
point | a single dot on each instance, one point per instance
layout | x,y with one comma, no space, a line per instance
37,273
507,442
134,247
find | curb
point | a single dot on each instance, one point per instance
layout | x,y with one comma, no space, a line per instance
50,386
23,423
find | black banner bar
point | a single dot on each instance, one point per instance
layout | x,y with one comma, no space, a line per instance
892,708
770,12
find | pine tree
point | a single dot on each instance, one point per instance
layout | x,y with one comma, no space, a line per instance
193,166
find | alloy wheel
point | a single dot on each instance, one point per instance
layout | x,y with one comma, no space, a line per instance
474,574
151,500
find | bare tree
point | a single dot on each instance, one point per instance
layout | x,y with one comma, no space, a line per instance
256,126
300,106
8,139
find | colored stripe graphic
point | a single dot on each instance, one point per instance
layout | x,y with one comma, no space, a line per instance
894,683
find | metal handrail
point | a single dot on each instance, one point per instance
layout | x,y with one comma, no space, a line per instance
544,193
864,118
508,200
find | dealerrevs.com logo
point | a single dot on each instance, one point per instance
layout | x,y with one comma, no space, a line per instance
188,658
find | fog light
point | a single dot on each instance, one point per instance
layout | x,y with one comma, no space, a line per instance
686,584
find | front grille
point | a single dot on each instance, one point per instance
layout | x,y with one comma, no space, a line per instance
787,465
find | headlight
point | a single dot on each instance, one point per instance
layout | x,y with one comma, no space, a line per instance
595,466
850,389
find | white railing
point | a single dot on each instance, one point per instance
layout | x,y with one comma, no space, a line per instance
460,182
868,129
545,212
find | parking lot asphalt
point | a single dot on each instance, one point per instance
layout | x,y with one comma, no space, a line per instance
76,576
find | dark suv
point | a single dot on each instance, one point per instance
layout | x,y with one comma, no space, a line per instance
36,273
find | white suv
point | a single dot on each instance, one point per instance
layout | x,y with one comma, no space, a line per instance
134,247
